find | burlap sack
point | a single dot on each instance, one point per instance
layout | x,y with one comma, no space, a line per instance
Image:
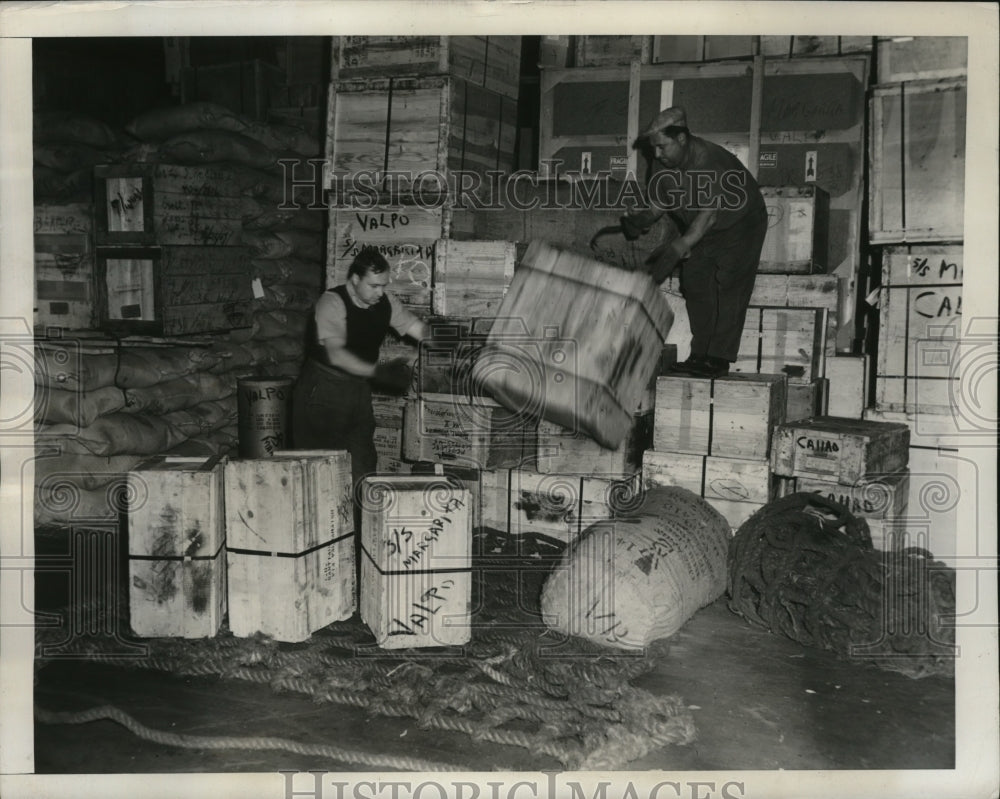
632,580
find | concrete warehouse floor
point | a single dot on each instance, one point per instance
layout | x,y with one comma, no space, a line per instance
762,702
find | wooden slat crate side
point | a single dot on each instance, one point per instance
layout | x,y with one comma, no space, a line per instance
839,450
380,56
847,378
563,452
797,291
917,395
798,230
64,295
923,265
909,58
176,534
730,417
406,238
471,278
63,219
729,479
481,130
788,341
917,191
806,400
416,540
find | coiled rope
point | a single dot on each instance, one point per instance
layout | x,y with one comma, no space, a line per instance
804,566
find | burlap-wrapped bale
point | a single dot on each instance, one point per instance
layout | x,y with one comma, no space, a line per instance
637,578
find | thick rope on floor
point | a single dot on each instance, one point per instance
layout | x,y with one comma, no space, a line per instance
339,754
515,684
805,567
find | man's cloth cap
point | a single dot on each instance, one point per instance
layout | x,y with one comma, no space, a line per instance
668,117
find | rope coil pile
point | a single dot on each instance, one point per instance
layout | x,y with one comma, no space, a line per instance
515,684
805,567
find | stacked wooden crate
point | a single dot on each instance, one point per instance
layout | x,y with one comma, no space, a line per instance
713,437
64,265
916,211
859,463
409,115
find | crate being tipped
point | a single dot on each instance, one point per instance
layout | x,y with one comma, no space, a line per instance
575,342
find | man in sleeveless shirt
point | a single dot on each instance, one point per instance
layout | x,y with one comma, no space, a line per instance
717,205
332,402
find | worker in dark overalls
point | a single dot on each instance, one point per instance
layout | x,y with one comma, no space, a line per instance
717,205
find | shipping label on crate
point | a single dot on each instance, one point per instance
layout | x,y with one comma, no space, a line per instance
416,561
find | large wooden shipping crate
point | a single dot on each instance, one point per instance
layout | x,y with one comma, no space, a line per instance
732,417
418,130
389,434
906,58
839,450
789,341
470,278
462,431
173,290
64,266
917,187
493,62
176,534
880,499
416,545
168,204
920,329
575,343
798,230
736,487
522,502
289,543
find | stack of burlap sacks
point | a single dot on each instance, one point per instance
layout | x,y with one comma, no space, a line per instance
104,405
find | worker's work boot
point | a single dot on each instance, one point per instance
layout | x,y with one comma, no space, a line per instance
693,366
710,366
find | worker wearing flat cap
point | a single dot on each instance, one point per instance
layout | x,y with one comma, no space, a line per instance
718,207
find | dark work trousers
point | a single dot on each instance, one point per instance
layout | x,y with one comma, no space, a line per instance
717,281
333,410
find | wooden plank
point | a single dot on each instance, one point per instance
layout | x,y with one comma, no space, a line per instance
602,51
797,291
840,450
847,377
923,265
732,417
290,543
176,536
806,400
416,581
788,341
471,278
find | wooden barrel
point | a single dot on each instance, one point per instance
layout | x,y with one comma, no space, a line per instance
575,342
629,581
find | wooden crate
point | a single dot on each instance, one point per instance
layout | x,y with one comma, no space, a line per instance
469,432
839,450
416,569
789,341
446,358
546,355
165,291
168,204
419,130
920,329
879,499
405,236
242,86
732,417
176,533
602,51
64,266
470,278
562,451
917,187
389,434
847,381
290,543
806,400
493,62
798,229
906,58
797,291
736,487
520,501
